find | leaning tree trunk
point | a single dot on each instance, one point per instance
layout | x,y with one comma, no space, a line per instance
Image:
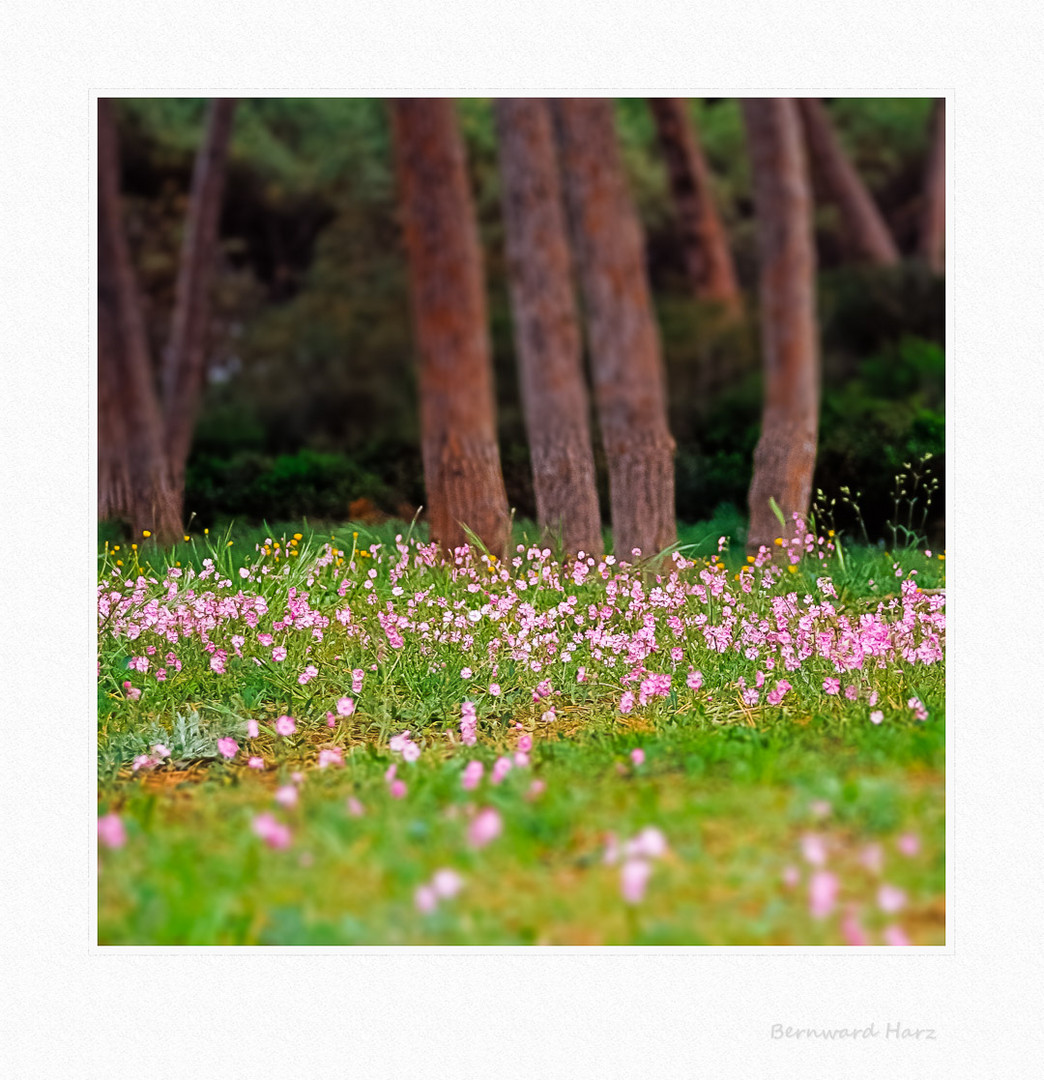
547,334
864,228
458,431
626,364
785,456
152,503
932,242
184,363
704,243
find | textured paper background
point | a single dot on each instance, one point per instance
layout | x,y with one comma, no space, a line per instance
73,1010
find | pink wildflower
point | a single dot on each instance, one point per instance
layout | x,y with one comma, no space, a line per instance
484,828
876,716
536,789
410,752
638,756
525,743
345,706
634,877
398,743
286,795
501,767
893,935
814,849
330,757
549,715
919,711
472,775
694,680
852,931
446,883
831,686
252,729
822,894
466,673
355,808
791,876
852,692
160,751
908,844
228,747
256,763
279,653
285,726
425,899
397,789
308,674
111,831
872,857
521,759
132,692
274,833
650,843
357,680
890,899
494,689
142,761
627,701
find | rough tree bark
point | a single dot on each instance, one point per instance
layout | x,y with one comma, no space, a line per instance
184,362
458,431
626,363
866,233
704,242
932,241
128,376
785,456
547,333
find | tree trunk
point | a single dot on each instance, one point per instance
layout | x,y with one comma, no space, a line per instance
114,477
458,431
152,504
704,243
627,367
547,334
185,360
932,242
864,228
785,456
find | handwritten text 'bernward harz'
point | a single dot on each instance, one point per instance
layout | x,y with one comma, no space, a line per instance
896,1031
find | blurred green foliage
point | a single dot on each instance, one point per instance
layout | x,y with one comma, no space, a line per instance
312,384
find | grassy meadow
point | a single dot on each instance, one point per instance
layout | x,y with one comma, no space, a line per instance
329,735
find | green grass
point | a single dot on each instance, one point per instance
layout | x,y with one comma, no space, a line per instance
732,789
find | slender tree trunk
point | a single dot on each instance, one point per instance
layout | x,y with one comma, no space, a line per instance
458,429
114,475
547,333
785,456
704,242
932,241
865,230
152,503
185,360
627,367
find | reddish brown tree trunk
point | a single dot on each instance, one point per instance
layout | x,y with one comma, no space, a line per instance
932,243
785,456
185,360
864,228
152,503
704,242
458,431
627,367
114,478
547,334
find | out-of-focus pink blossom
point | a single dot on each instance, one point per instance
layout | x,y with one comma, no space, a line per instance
345,706
355,808
111,831
256,763
425,899
330,756
650,843
822,894
501,767
872,857
285,726
890,899
485,827
813,848
274,833
472,775
397,788
852,930
908,844
634,877
893,935
286,795
446,883
228,747
525,743
638,756
252,729
791,876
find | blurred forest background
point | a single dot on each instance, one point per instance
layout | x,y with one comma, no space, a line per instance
310,406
